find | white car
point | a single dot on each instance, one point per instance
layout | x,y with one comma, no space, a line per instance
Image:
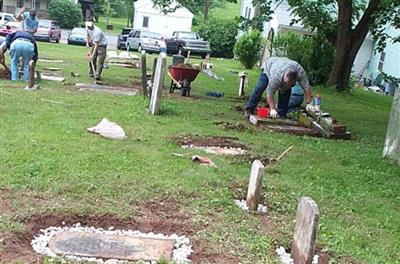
6,17
143,40
375,89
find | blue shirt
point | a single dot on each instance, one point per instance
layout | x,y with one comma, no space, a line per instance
30,23
21,34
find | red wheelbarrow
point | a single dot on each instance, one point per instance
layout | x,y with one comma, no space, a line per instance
182,75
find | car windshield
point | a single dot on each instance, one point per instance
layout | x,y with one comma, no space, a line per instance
45,24
126,31
187,35
79,31
146,34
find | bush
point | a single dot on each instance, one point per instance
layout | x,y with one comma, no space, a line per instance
221,34
67,13
314,53
247,49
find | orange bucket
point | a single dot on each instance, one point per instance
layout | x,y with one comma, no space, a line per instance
262,111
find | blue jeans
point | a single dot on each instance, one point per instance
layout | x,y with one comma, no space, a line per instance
20,49
285,100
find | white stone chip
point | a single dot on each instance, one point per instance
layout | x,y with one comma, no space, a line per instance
243,204
108,129
40,243
287,259
218,150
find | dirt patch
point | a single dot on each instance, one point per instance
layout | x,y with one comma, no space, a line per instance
238,108
159,216
238,126
249,158
5,204
197,141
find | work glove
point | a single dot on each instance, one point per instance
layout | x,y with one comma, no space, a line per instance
309,107
273,113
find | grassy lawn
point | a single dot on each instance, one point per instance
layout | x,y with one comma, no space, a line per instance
51,165
117,22
229,11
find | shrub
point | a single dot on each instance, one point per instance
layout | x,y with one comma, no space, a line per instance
314,53
67,13
247,49
221,34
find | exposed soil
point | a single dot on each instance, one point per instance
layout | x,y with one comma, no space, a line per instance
5,75
209,141
159,216
249,158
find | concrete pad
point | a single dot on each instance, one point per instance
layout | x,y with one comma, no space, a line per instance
103,246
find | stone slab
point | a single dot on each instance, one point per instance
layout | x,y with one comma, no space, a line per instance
254,189
256,120
84,244
305,233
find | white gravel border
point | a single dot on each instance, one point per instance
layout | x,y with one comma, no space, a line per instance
243,204
287,259
40,243
218,150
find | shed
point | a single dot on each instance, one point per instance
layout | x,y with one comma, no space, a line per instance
151,18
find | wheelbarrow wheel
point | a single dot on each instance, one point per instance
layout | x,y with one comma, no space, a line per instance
184,91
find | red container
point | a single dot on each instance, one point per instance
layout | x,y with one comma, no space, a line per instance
262,111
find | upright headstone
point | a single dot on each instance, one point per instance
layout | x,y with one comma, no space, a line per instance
254,190
305,232
154,69
158,84
392,142
242,83
144,73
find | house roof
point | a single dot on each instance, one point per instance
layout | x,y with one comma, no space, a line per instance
147,6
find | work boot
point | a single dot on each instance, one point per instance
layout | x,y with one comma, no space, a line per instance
248,113
91,75
98,78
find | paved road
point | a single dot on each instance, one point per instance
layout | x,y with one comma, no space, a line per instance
111,39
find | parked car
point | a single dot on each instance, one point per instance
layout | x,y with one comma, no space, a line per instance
48,30
182,42
6,17
143,40
10,27
77,36
121,42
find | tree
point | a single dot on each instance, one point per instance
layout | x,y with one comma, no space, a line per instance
346,24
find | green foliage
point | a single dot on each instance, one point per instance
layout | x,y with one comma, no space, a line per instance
314,53
247,49
68,13
262,14
221,34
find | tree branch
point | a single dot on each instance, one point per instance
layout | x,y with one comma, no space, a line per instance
366,19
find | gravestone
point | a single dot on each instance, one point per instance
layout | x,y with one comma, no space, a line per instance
305,232
392,142
242,83
158,84
102,246
254,190
144,73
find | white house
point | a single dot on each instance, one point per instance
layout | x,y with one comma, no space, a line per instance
281,20
148,17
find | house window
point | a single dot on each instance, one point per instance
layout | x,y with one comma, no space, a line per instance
145,22
381,61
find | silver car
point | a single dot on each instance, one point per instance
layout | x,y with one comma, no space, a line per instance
143,40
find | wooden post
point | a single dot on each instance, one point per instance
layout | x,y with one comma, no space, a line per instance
254,190
242,82
144,74
31,81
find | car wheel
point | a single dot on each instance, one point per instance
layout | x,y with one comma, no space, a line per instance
139,49
204,55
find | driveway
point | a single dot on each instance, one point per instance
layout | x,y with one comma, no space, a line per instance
111,38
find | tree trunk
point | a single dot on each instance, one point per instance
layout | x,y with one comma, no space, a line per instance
207,4
392,142
349,41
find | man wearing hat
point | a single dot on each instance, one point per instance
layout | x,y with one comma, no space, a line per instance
98,40
31,22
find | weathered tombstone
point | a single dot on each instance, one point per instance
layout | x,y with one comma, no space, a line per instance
305,232
392,142
254,190
83,244
144,73
154,69
158,84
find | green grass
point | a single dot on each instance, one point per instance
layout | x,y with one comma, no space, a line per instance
229,11
46,152
117,23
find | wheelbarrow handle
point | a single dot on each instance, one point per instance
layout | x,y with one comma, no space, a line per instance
175,81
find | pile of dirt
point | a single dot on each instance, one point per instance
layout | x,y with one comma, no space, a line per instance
198,141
